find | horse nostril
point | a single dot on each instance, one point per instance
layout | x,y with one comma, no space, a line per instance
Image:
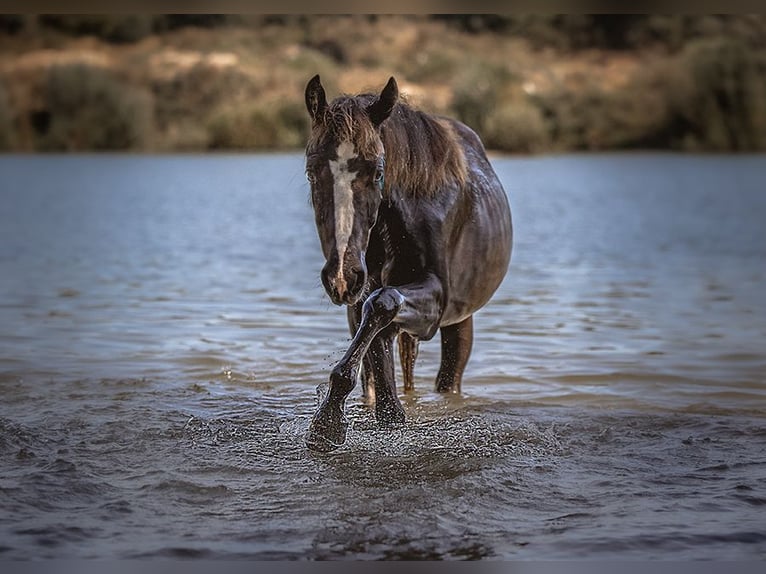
329,284
343,287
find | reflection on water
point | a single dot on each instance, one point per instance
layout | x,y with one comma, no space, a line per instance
164,329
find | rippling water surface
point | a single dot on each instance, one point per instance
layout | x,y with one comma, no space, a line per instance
163,332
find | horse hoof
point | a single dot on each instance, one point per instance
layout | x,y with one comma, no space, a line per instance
326,437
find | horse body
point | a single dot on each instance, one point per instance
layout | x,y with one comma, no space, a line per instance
416,231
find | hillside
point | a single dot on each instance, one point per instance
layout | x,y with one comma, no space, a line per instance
526,84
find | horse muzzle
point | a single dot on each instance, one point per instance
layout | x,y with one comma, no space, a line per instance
344,287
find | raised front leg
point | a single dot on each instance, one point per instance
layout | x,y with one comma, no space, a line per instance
457,341
328,427
367,375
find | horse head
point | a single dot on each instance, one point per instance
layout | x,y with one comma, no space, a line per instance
345,166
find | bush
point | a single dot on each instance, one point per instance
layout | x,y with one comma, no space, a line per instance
435,64
175,21
557,31
201,88
570,113
112,28
722,101
516,127
711,97
88,108
635,115
276,124
478,91
6,121
11,23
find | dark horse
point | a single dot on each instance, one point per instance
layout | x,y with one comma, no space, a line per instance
416,231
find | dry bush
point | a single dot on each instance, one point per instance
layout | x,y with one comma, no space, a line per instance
478,90
88,108
721,99
7,135
690,82
259,125
517,126
190,92
633,116
710,97
117,28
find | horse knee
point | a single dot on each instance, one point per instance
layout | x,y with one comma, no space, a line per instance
383,304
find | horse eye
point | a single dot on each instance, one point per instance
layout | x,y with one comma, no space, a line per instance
379,172
311,177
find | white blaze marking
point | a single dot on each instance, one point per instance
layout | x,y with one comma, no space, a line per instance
343,196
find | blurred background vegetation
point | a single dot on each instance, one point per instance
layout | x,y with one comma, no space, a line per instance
526,83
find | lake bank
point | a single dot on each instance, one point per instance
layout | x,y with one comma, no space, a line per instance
694,84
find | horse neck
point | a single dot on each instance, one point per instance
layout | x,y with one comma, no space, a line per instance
388,224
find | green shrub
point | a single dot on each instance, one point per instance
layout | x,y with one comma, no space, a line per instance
11,23
112,27
557,31
278,124
516,127
87,108
479,89
436,63
175,21
570,114
199,89
309,61
635,115
6,121
712,97
722,101
292,116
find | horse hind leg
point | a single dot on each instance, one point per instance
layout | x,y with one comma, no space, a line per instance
367,375
457,341
408,353
368,381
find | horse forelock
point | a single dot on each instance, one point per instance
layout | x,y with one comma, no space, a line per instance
346,119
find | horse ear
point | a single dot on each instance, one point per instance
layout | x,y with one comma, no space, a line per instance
316,101
381,108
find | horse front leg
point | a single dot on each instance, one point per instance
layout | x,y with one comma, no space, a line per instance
367,375
328,427
388,409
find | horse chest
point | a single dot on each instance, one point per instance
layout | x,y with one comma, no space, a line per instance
401,259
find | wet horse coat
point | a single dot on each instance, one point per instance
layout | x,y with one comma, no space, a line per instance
416,232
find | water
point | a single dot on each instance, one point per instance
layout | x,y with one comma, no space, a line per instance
164,331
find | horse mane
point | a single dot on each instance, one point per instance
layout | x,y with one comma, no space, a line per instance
423,152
